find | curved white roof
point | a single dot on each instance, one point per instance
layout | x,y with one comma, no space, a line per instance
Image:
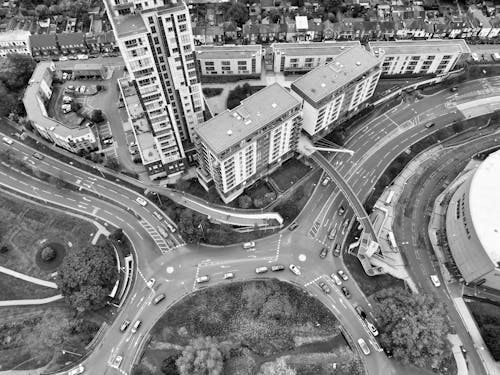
484,203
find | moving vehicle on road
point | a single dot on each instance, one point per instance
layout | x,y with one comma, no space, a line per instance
261,269
78,370
429,125
363,346
323,253
336,279
293,226
324,287
341,210
38,156
158,299
124,325
372,328
336,250
295,269
7,140
325,181
277,267
249,245
162,231
136,326
202,279
360,312
454,89
151,282
346,292
332,234
229,275
170,227
435,281
117,361
141,201
343,275
157,215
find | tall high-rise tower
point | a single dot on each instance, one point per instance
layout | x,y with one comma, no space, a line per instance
156,42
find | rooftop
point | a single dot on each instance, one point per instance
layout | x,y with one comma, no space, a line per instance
412,47
129,25
14,35
88,66
232,126
326,79
227,51
484,203
314,49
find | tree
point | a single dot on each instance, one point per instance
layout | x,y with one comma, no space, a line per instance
7,100
4,249
54,9
96,116
75,106
244,201
49,334
41,11
48,254
169,367
279,367
117,235
236,95
16,71
201,357
413,327
192,226
491,333
113,164
236,12
86,277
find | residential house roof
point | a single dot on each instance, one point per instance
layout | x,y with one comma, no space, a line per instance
70,39
43,41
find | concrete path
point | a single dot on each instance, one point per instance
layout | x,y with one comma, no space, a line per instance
457,353
28,302
30,279
101,229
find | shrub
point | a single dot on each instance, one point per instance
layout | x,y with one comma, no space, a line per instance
244,201
48,254
4,249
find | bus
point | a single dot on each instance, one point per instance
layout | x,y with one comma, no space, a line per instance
388,200
392,240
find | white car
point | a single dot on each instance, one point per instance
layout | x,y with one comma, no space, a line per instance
77,370
435,281
363,346
294,269
141,201
151,282
336,279
372,328
326,180
82,57
136,326
63,58
117,361
229,275
202,279
7,140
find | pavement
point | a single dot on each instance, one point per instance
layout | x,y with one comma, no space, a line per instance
30,279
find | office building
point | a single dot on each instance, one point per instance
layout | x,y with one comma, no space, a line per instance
242,145
15,41
232,60
156,42
74,136
303,57
472,225
334,92
432,56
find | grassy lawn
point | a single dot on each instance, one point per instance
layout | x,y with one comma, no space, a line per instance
289,173
14,288
260,321
487,317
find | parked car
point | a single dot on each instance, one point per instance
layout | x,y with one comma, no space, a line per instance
202,279
136,326
7,140
336,279
323,253
341,210
151,282
261,269
295,269
435,281
346,292
336,250
324,287
63,58
124,325
158,299
229,275
343,275
82,57
249,245
332,234
325,181
277,267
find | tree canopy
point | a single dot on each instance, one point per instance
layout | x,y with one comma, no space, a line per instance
201,357
86,277
192,226
279,367
413,327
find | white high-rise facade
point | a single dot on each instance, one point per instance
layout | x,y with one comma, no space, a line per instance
156,42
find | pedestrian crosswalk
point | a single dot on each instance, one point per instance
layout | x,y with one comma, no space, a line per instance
157,238
314,281
315,228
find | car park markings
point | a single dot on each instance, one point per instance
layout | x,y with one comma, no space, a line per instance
313,281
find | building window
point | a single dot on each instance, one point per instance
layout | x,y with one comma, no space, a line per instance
225,63
151,20
242,63
156,40
181,17
153,29
186,48
182,28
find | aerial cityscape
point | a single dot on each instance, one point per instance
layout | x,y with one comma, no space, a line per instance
229,187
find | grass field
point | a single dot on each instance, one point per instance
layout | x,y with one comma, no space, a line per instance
260,321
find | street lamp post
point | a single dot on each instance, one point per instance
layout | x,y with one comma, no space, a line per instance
70,352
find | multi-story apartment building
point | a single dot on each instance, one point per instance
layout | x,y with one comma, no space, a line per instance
244,60
73,137
240,146
334,92
156,42
303,57
433,56
15,41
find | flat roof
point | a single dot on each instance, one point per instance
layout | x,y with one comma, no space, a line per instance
326,79
14,35
232,126
129,25
227,52
88,66
37,113
314,48
417,47
484,203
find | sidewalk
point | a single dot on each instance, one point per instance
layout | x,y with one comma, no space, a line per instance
30,279
29,302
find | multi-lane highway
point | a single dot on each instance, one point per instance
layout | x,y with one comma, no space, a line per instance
376,144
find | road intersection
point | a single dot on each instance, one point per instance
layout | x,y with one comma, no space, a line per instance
377,143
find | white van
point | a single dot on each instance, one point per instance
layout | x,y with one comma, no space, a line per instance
202,279
249,245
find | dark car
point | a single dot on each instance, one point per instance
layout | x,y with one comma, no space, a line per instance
38,156
124,325
336,250
360,311
158,299
341,210
454,89
346,292
293,226
324,287
323,253
277,267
